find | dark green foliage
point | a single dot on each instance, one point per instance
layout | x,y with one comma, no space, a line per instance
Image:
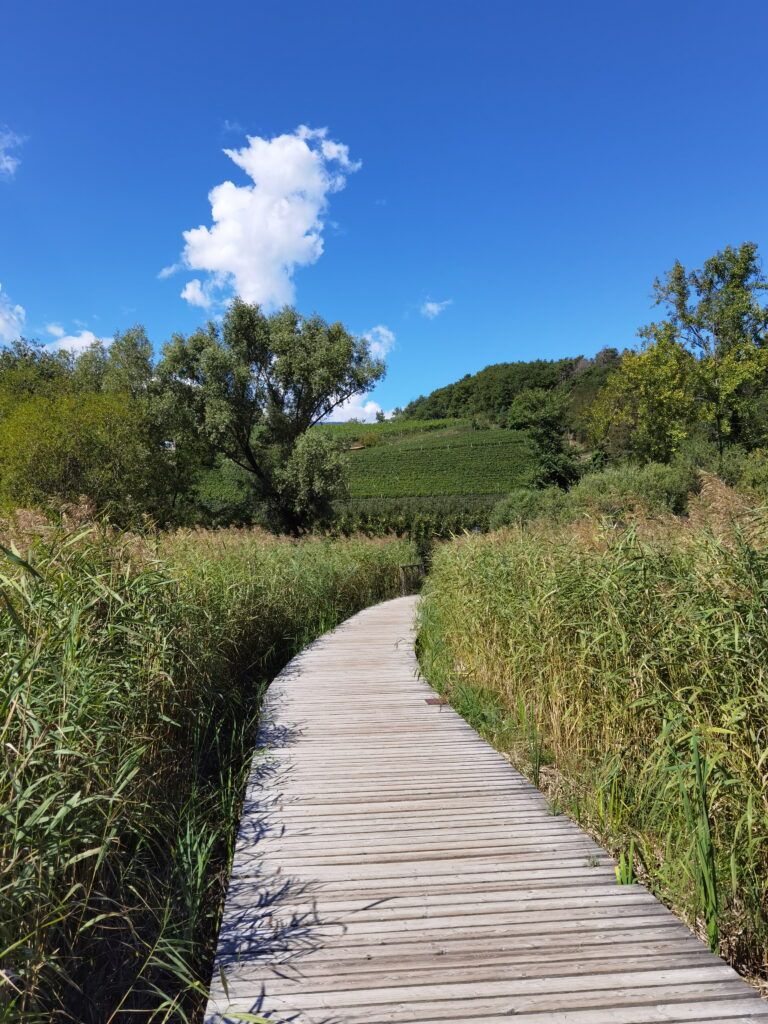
492,390
542,414
439,516
590,375
223,496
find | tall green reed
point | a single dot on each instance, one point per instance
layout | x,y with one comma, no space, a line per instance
130,680
641,654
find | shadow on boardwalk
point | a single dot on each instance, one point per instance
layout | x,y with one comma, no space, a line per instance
260,927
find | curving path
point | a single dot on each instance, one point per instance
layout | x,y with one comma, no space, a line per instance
392,867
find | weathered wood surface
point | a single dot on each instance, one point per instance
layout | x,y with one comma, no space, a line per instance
392,867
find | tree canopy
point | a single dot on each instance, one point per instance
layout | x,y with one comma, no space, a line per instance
491,391
704,367
254,385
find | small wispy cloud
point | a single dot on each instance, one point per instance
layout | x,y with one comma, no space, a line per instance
12,323
169,271
197,294
8,161
380,340
262,232
431,309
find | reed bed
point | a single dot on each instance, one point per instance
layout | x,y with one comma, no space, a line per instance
130,677
624,670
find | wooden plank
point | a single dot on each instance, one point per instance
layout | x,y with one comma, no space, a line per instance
392,867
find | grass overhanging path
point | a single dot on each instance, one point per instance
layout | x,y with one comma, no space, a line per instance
623,670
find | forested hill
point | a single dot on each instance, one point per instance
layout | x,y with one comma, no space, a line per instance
490,391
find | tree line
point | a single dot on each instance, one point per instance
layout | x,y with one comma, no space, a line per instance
218,430
697,378
141,439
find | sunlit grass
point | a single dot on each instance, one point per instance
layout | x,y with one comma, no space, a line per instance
625,671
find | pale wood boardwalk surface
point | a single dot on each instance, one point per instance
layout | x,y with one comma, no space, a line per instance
392,867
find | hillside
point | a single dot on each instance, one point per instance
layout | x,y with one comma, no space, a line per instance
490,392
398,460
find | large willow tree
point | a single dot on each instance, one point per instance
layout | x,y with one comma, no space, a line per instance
252,388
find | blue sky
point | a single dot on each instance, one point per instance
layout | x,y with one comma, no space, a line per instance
527,168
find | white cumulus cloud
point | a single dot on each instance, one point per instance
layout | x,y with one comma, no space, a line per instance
12,318
263,231
72,342
196,293
8,162
432,309
380,340
356,408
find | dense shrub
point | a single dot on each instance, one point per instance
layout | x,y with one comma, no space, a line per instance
752,473
612,493
423,519
61,448
523,505
620,489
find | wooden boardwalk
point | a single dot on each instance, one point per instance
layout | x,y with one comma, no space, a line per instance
392,867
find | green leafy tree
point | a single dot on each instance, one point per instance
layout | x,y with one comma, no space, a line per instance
124,367
95,446
251,387
542,414
90,369
28,368
703,367
314,475
129,366
648,406
716,313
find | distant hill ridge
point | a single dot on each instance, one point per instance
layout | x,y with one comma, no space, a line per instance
491,391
